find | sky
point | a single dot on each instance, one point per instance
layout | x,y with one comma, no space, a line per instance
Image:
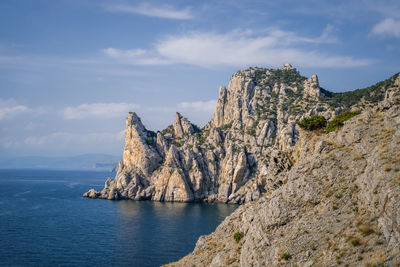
71,70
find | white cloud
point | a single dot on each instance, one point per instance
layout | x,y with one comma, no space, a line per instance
124,53
7,142
387,27
341,10
100,110
30,126
9,108
329,35
199,106
198,112
164,11
134,56
239,48
65,138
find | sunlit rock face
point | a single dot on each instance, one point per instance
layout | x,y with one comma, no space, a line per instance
237,156
338,203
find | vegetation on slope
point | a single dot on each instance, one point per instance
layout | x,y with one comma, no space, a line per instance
312,123
338,120
371,94
268,77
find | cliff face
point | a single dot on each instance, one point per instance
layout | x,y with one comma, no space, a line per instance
237,156
339,202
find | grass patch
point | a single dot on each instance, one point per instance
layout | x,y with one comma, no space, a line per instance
339,120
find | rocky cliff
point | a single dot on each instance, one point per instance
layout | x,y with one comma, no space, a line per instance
338,204
239,154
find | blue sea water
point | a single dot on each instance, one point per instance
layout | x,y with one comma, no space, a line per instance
44,220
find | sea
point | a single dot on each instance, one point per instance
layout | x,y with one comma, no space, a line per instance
45,221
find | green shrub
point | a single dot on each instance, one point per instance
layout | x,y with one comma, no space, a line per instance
226,126
355,242
338,120
149,140
286,256
237,236
312,123
251,131
168,130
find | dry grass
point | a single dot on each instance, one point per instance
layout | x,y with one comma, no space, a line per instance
212,244
366,229
355,241
229,260
377,260
310,169
387,168
358,157
387,132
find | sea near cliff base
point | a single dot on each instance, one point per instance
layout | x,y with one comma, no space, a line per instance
44,220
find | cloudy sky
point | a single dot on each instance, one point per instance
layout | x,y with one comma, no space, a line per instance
70,70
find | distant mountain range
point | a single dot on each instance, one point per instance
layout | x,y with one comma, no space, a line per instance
80,162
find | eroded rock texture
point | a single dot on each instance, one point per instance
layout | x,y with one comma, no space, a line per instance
239,154
339,204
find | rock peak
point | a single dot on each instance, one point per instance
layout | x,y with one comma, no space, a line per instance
133,120
311,87
287,66
314,78
397,81
182,126
178,116
138,154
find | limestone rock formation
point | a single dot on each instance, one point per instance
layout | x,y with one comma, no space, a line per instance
237,156
338,204
311,87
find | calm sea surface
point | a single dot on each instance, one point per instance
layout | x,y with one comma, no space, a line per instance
44,220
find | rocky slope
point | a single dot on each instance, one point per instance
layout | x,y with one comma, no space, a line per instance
338,204
237,156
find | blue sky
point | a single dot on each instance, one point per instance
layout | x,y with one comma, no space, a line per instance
70,70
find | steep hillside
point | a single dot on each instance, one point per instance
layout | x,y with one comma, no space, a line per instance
235,158
338,204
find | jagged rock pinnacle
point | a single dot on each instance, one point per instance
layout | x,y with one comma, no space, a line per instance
311,87
236,156
287,66
182,127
